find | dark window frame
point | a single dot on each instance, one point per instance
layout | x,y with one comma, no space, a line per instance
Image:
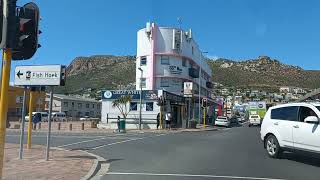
134,105
149,105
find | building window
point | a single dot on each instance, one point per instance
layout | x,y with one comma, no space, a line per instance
79,105
192,50
164,82
65,104
143,61
72,104
149,106
98,106
92,105
133,106
165,60
87,105
18,111
184,62
143,82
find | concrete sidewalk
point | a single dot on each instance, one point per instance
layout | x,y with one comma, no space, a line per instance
63,164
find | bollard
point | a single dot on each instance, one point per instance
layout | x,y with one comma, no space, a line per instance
82,126
59,126
70,127
39,126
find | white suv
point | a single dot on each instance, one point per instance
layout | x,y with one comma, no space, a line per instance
293,126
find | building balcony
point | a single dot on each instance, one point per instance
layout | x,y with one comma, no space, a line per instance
209,85
194,73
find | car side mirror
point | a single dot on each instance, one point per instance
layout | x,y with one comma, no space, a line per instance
311,119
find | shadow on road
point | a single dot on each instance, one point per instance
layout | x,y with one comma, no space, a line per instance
112,160
309,159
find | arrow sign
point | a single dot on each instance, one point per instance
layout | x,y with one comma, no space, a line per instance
19,74
44,75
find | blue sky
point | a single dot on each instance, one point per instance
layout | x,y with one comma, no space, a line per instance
288,30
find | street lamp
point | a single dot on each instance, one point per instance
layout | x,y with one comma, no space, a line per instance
140,97
200,64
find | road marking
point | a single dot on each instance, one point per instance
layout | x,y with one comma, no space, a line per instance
128,140
191,175
80,142
45,136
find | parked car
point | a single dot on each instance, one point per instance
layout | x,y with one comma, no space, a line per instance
254,120
85,118
59,116
222,121
292,126
44,116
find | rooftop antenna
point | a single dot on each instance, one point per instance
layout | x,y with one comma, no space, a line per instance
179,19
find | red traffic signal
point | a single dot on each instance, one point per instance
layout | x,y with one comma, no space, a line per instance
26,42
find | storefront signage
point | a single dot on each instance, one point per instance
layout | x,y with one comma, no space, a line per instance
187,90
135,94
173,97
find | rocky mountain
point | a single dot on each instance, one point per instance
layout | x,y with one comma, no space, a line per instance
108,72
98,72
263,73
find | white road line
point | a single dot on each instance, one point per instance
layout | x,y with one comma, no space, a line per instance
80,142
191,175
128,140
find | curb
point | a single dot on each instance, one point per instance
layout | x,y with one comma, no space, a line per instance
99,167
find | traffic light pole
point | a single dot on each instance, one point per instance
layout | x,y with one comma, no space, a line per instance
6,65
30,118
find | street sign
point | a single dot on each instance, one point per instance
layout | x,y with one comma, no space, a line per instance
188,89
47,75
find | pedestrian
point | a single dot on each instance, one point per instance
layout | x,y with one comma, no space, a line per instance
168,120
118,123
158,120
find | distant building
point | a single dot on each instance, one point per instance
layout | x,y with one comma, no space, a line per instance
75,106
16,100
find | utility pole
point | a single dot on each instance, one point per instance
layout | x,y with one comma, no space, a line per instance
140,115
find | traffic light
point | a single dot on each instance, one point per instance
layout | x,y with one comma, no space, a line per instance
27,31
204,102
2,41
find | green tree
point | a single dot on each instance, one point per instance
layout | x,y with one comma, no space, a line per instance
121,103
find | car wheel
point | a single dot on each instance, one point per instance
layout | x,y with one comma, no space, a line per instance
272,146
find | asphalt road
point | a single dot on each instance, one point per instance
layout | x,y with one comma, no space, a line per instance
234,153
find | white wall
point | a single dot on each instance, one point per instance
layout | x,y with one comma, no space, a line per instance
114,112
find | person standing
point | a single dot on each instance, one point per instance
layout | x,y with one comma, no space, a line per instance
118,123
158,120
168,120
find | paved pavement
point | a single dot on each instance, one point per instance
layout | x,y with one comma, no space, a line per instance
62,164
233,153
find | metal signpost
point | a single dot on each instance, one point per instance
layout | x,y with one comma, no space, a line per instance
35,76
23,121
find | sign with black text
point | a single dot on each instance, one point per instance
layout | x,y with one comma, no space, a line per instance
47,75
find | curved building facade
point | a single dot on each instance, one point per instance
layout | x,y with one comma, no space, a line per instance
168,57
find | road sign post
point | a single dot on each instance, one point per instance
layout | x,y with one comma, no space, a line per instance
49,125
23,122
37,76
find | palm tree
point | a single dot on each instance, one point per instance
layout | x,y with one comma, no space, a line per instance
121,103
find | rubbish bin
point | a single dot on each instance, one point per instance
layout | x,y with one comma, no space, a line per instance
122,126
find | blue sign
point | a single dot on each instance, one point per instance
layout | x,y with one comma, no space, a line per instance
135,94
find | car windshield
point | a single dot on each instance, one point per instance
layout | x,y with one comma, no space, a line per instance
160,89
